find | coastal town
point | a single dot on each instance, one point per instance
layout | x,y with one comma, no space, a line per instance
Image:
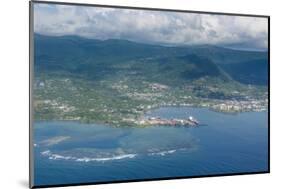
122,103
190,121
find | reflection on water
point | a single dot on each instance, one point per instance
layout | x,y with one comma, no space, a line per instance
70,152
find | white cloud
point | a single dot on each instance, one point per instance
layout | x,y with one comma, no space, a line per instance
150,26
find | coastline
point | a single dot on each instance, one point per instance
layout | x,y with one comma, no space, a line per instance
133,124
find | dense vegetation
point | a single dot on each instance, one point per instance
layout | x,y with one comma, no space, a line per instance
117,80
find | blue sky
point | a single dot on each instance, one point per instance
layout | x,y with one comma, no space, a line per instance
170,28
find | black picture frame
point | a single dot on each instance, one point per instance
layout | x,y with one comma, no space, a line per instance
31,63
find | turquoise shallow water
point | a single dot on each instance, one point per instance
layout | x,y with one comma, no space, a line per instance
70,152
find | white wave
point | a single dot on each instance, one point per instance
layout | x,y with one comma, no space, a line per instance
53,156
85,159
45,153
163,153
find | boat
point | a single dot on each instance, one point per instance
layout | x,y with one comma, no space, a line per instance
193,120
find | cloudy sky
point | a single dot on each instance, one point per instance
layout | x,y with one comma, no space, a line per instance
158,27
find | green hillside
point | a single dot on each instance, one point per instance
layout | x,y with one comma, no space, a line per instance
114,81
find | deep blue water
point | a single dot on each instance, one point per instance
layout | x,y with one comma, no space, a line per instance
70,152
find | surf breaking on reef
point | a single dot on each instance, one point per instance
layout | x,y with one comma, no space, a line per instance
54,156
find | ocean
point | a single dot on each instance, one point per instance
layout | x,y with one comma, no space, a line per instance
71,152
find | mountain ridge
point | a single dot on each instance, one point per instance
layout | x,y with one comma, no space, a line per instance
78,54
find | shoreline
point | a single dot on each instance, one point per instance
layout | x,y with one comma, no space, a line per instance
132,124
